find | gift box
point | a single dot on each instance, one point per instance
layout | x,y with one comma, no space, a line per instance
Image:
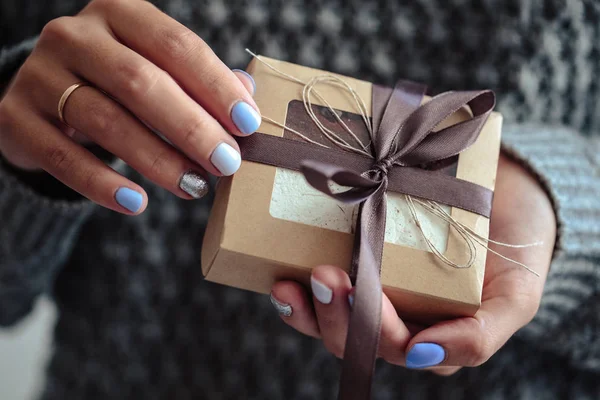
268,224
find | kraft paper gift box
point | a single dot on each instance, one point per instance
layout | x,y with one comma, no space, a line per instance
268,224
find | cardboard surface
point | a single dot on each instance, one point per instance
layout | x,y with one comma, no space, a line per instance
246,247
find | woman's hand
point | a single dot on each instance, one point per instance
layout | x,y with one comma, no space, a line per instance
142,66
522,213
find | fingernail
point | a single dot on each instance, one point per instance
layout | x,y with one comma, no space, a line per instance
424,355
245,118
282,308
320,291
226,159
194,184
249,77
351,299
130,199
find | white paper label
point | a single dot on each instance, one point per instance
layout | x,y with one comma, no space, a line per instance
294,200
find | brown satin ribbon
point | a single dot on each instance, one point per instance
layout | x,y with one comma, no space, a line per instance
403,138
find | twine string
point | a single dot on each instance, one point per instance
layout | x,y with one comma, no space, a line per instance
470,237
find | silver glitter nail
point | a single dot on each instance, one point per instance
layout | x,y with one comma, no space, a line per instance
194,184
283,309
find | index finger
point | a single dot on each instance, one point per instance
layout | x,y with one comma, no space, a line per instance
179,51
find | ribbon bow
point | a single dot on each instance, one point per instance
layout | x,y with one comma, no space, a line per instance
403,138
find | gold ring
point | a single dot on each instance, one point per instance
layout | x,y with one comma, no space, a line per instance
65,97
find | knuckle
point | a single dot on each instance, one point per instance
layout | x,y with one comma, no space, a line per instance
194,132
106,119
179,44
160,162
213,80
30,71
59,159
392,346
58,30
137,79
478,350
391,354
91,180
213,75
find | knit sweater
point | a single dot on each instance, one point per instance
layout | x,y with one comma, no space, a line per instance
137,320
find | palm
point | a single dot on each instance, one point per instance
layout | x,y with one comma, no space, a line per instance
519,217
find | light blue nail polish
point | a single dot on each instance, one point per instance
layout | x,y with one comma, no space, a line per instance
226,159
249,77
245,118
424,355
130,199
351,299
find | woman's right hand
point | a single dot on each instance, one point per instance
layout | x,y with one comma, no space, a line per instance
141,65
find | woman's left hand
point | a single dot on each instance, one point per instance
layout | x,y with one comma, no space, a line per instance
511,295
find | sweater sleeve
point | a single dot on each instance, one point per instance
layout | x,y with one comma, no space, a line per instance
568,166
11,59
37,231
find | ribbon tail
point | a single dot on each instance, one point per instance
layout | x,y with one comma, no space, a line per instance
364,327
357,240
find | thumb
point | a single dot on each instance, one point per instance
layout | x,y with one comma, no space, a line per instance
469,341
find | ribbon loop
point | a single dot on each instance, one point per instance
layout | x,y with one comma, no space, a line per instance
390,109
419,144
319,175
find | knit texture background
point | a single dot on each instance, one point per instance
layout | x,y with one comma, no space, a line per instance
136,318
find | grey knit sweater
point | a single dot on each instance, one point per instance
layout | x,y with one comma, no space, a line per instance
136,318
